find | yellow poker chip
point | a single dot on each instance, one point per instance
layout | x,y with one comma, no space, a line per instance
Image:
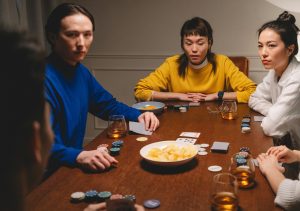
142,139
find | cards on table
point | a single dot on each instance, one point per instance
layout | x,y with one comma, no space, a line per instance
219,146
186,140
190,134
139,128
258,118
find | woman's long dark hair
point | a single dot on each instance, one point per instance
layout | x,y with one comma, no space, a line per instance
285,26
196,26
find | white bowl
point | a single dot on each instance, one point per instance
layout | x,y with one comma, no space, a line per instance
144,153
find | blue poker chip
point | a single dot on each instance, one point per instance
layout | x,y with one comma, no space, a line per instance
241,162
243,154
118,143
245,125
91,195
238,156
246,120
103,195
151,203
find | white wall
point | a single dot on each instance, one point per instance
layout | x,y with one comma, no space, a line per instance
133,37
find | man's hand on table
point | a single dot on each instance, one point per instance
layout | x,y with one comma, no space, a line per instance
150,120
102,206
95,160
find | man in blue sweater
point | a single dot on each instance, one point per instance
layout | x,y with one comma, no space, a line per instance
72,91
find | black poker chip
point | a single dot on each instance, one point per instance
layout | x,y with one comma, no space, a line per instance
114,151
151,203
130,197
245,149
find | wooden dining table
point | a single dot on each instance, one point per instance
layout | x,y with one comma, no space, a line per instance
185,187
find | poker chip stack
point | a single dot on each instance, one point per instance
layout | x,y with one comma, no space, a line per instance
116,147
246,124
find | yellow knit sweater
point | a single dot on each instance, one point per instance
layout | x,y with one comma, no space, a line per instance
226,78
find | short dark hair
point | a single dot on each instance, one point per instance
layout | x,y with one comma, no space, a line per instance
196,26
285,26
66,9
22,88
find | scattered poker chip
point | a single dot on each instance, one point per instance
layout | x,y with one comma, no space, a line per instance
204,145
202,153
215,168
245,149
151,203
91,195
246,129
77,196
142,139
114,150
130,197
104,195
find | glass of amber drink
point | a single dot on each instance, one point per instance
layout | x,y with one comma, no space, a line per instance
229,109
224,192
117,127
244,170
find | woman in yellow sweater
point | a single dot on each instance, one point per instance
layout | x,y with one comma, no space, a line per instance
197,74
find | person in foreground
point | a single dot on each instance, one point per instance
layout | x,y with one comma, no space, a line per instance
198,74
73,92
287,190
278,96
26,131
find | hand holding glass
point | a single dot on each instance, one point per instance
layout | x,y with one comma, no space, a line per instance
116,126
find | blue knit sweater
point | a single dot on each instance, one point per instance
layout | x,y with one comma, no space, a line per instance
73,92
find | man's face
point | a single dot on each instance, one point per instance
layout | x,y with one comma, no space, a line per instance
74,39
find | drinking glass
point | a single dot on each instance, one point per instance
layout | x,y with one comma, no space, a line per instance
224,192
229,109
243,169
116,126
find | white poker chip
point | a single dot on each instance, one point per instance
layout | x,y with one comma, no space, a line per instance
202,153
204,145
214,168
201,149
246,129
142,139
77,196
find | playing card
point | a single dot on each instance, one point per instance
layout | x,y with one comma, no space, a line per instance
190,134
186,140
138,128
258,118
